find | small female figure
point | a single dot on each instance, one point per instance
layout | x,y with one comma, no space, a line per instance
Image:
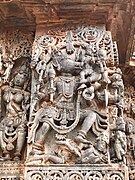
14,118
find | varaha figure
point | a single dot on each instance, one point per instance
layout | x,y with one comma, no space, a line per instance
73,93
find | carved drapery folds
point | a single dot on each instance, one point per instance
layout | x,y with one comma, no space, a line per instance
63,102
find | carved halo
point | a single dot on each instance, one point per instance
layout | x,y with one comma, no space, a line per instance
91,34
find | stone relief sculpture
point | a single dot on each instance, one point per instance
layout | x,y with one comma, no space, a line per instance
74,82
14,118
71,111
15,51
129,119
14,95
120,139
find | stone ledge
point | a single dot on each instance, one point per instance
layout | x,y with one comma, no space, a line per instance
66,172
11,169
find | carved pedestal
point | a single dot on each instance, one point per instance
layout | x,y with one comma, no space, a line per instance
11,171
80,172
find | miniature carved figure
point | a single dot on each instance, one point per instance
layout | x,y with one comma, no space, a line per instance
97,153
120,144
8,64
61,114
130,138
67,152
95,69
117,88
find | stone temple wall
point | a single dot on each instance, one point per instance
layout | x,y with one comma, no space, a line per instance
65,111
67,101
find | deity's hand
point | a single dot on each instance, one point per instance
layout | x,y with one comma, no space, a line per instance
29,124
32,65
83,81
88,93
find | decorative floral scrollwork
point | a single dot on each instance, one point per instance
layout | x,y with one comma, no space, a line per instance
74,175
37,176
90,35
115,176
93,175
55,175
79,173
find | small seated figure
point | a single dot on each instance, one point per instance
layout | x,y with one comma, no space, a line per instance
117,87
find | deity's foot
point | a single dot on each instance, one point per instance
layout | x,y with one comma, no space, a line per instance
80,139
6,156
34,161
17,156
35,156
1,159
35,152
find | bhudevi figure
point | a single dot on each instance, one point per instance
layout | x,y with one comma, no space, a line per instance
59,110
98,94
74,92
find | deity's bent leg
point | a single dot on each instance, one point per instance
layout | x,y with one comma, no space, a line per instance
41,136
5,152
88,121
54,159
19,144
118,151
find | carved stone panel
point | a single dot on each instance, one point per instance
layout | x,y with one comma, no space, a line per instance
77,95
15,80
64,111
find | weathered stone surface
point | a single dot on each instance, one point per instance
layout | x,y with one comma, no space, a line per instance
77,172
117,15
66,112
